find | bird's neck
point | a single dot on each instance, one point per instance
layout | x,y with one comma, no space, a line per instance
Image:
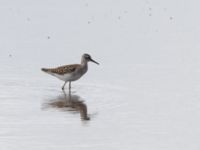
84,65
84,62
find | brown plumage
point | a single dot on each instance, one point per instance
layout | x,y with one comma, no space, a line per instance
62,69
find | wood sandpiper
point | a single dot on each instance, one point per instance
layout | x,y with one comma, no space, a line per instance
69,73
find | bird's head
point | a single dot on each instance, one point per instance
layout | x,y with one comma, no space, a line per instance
88,58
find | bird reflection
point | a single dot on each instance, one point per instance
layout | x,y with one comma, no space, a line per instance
69,102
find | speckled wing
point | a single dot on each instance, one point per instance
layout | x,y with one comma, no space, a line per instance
62,69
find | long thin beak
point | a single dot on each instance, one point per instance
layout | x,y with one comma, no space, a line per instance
94,61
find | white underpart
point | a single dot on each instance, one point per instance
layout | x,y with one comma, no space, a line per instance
67,77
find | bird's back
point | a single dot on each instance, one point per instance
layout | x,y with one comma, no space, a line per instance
67,72
62,69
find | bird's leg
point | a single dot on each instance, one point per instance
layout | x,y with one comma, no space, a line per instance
63,87
70,85
70,94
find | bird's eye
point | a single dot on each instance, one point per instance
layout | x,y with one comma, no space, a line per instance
87,56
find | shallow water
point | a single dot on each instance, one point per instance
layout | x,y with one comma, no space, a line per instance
144,110
144,95
70,103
